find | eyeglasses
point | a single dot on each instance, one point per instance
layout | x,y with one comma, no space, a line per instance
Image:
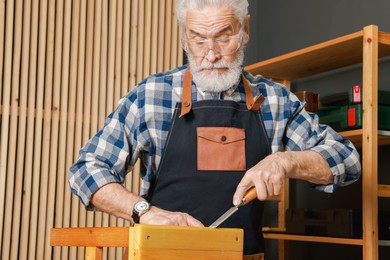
224,45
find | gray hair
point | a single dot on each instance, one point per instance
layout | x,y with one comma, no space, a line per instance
239,7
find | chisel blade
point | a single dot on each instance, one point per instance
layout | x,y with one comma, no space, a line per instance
222,218
249,196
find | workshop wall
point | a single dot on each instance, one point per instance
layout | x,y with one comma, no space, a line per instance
63,67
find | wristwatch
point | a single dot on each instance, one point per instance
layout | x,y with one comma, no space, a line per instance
140,208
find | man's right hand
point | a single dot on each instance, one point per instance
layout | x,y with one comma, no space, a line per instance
110,198
157,216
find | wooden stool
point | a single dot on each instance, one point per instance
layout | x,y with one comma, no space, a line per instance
154,242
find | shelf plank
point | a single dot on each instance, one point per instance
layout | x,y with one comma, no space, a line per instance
333,54
384,191
384,39
337,53
333,240
355,136
383,242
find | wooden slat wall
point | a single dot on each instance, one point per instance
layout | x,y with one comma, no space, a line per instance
64,64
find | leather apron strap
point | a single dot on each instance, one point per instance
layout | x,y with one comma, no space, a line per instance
186,105
252,105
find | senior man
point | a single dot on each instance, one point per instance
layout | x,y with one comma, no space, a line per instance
207,132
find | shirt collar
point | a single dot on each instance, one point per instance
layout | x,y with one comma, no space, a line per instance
231,90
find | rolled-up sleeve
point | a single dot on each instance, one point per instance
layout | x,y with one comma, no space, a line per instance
107,156
137,129
304,132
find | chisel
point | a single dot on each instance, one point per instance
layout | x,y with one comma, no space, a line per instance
248,197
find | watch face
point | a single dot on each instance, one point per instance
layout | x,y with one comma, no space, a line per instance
141,206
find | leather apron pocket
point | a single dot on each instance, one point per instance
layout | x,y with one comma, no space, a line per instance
221,148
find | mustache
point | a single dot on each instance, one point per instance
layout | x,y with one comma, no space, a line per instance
219,65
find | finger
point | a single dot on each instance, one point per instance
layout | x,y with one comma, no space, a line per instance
274,185
261,190
193,222
184,219
270,188
242,188
277,188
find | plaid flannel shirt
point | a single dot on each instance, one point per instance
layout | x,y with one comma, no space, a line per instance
139,126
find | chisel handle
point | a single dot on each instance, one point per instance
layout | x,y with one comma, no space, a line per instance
250,195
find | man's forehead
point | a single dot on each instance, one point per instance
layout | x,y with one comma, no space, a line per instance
211,20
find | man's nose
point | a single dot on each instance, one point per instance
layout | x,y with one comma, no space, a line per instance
212,55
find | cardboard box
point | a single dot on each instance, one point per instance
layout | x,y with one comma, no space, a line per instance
168,242
312,100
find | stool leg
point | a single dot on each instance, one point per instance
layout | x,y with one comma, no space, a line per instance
94,253
125,253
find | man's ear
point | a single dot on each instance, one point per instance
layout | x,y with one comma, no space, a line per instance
246,28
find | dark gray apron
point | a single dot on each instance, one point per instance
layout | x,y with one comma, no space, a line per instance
210,145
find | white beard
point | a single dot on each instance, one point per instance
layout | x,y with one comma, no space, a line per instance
216,82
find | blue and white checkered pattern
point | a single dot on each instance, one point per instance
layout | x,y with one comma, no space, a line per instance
140,124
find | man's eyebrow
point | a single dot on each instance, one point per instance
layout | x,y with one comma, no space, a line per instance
223,30
195,32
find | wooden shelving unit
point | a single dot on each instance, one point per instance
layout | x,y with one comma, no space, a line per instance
363,47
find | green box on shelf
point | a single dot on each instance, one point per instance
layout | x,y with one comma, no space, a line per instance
354,96
349,117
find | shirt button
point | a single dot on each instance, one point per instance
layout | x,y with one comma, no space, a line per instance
223,138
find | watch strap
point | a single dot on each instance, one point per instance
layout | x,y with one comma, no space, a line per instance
135,216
